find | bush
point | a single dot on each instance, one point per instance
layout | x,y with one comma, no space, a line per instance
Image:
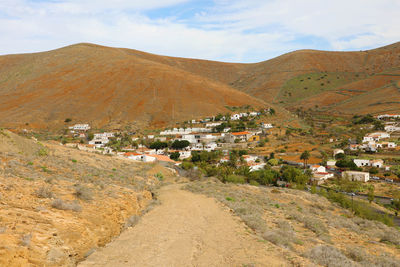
315,225
159,176
131,221
61,205
391,237
43,152
292,174
44,192
26,240
187,165
83,192
273,162
174,156
328,256
237,179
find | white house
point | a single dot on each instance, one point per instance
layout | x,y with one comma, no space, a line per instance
257,167
266,125
185,154
378,163
388,116
181,131
241,136
386,145
362,162
356,176
139,157
331,163
317,168
80,127
321,177
101,139
235,117
253,113
199,138
213,124
249,158
375,136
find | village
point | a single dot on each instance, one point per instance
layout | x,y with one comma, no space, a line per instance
234,138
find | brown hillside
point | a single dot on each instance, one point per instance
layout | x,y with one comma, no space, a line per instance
355,74
112,87
98,84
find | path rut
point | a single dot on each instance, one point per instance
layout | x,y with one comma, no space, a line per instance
187,230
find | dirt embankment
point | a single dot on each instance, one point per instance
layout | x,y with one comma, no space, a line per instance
58,204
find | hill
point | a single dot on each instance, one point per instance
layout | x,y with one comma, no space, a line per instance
58,204
340,82
115,87
106,87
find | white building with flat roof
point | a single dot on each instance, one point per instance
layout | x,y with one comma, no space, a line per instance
80,127
356,176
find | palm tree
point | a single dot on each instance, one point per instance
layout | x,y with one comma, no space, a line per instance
305,156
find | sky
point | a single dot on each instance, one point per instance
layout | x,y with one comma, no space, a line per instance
223,30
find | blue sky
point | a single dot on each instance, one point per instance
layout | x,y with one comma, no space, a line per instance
225,30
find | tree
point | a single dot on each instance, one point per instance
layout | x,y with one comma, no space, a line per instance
273,162
218,117
272,111
180,144
90,136
291,174
371,194
158,145
305,156
68,120
174,156
379,126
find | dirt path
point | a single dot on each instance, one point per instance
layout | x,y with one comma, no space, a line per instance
187,230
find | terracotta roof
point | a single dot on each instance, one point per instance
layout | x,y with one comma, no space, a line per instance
162,158
240,133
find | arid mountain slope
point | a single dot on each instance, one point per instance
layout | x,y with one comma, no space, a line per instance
112,87
101,85
58,204
349,78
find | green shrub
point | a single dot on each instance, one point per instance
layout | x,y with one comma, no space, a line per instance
43,152
237,179
187,165
159,176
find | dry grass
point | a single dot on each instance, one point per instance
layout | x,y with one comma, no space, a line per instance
62,205
83,192
44,192
329,256
306,224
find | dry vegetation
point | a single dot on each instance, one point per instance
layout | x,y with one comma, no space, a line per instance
57,205
307,225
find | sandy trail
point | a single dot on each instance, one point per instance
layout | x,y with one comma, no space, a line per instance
187,230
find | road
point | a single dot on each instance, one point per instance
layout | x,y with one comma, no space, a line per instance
187,230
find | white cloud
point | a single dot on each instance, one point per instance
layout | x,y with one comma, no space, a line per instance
228,30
